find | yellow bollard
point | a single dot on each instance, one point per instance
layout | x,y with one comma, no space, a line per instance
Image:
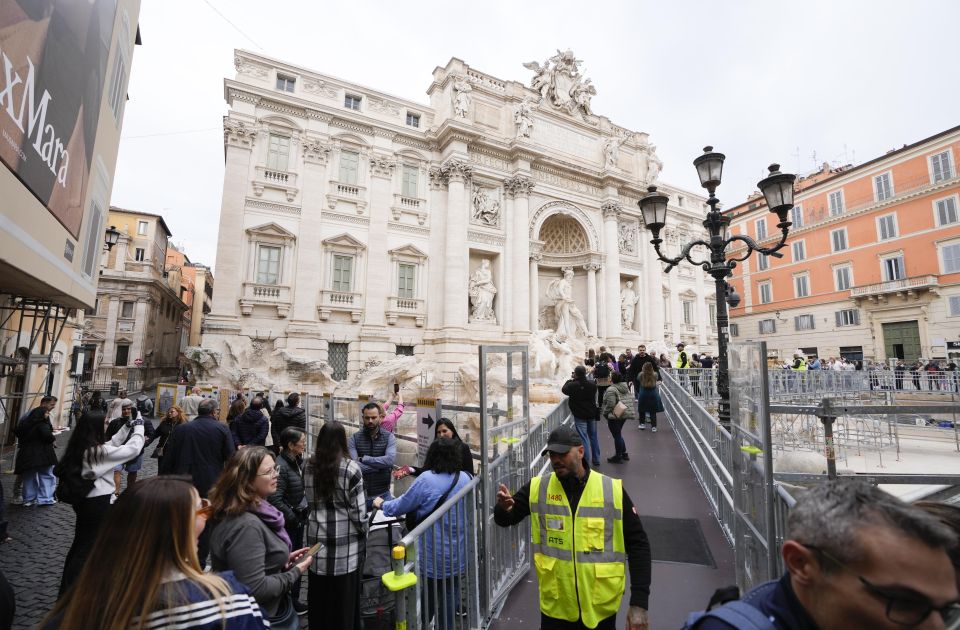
398,581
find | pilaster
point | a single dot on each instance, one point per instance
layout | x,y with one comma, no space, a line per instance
611,272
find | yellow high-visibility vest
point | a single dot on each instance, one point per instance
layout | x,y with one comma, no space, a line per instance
682,359
802,367
580,560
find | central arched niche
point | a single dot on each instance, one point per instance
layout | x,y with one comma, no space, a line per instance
562,234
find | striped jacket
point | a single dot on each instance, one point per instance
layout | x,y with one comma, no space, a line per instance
339,522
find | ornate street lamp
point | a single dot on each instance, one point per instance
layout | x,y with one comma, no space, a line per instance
777,190
111,237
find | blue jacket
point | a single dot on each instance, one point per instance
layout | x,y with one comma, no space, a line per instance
777,601
250,428
446,542
198,448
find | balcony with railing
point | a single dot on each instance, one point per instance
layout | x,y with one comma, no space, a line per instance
409,205
283,181
255,294
398,307
343,301
351,193
905,288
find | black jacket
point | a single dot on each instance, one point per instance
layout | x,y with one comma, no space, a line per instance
250,428
290,493
583,398
636,366
198,448
286,417
36,442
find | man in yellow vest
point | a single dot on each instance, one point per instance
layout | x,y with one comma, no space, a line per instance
585,533
682,361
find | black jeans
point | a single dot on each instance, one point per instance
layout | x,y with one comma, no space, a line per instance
549,623
333,601
616,430
90,514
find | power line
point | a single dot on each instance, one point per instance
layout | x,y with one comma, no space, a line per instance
237,28
170,133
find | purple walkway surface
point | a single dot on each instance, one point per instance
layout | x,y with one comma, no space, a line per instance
660,482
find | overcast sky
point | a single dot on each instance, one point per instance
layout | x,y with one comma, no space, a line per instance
762,81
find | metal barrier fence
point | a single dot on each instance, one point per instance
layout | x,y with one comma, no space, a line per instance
465,565
735,468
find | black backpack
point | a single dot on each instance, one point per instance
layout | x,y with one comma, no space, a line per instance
72,487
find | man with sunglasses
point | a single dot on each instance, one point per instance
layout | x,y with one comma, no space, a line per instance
855,557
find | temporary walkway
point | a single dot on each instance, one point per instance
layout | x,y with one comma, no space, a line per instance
661,483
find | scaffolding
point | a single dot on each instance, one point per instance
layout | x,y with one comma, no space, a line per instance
29,332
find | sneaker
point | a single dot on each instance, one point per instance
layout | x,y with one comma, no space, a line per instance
654,429
616,459
642,426
17,499
54,502
625,457
300,607
28,504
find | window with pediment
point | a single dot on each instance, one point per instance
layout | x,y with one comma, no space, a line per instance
270,249
563,235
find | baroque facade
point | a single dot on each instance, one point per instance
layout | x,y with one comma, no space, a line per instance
872,264
356,225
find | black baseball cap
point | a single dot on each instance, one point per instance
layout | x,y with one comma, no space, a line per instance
561,440
681,345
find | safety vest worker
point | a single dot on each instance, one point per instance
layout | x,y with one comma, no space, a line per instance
585,529
682,361
799,364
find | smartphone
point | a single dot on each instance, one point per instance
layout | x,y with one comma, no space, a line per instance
396,388
313,550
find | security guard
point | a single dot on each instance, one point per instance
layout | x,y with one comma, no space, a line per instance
682,362
799,363
585,532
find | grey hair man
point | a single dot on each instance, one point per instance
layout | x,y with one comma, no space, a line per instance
191,404
856,557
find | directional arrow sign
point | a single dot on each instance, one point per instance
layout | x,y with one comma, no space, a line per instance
426,410
428,420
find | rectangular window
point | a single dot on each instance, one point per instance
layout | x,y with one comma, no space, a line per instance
139,254
768,326
799,251
893,268
761,229
285,84
803,322
410,181
947,211
941,167
126,309
801,286
278,152
268,265
951,258
848,317
836,203
123,354
404,351
883,187
413,119
838,238
406,277
687,312
680,200
763,263
954,305
887,227
734,330
96,306
841,275
349,167
142,228
351,102
118,82
713,314
337,356
766,292
796,216
342,273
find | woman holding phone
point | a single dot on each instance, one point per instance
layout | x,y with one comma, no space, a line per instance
388,421
249,538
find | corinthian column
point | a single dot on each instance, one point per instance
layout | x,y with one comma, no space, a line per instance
592,297
611,273
455,247
518,187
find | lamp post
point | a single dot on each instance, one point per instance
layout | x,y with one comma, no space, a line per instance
777,189
111,236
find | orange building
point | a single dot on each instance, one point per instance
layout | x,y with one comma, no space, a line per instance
871,269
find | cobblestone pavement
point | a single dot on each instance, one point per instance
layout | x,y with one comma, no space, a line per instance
33,562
